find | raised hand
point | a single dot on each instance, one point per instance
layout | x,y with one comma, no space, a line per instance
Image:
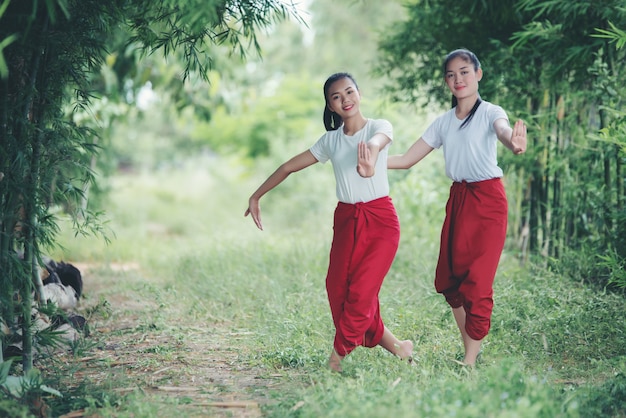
365,163
518,138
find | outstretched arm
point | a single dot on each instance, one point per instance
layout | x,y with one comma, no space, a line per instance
515,138
297,163
414,155
368,154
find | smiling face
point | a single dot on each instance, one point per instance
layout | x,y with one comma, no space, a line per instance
343,97
462,77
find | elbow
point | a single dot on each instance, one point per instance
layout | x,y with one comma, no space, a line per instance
284,170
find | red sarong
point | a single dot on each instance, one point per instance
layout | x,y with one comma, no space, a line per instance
472,240
365,241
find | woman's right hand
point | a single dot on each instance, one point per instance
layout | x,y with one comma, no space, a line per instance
297,163
254,209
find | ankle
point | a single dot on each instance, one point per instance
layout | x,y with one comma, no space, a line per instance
334,362
405,349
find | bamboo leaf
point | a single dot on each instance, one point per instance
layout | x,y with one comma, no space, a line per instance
614,35
4,69
3,7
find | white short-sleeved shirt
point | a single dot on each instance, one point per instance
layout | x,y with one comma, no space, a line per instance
470,153
341,150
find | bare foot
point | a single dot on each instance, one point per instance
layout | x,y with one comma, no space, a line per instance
465,367
334,362
405,350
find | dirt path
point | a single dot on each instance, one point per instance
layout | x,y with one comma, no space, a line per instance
196,366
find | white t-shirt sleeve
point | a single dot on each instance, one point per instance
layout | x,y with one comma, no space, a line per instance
383,126
320,149
496,112
434,134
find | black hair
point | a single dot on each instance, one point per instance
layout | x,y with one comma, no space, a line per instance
332,121
468,56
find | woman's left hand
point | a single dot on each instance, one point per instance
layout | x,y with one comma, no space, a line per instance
518,138
365,166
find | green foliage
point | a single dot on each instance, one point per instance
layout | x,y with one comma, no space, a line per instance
614,34
607,400
47,161
10,408
412,51
506,390
26,386
21,396
272,117
189,25
616,267
548,62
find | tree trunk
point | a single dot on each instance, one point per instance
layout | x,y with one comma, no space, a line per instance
32,114
619,179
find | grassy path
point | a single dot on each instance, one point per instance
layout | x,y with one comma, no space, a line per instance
144,349
195,313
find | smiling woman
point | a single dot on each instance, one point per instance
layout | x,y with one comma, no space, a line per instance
474,230
366,227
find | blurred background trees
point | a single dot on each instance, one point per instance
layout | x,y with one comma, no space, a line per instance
70,71
548,63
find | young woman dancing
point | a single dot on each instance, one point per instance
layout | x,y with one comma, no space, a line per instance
474,230
366,227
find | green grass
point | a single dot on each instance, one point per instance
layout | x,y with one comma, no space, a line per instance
556,348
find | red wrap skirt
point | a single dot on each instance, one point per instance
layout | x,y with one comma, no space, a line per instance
365,241
472,240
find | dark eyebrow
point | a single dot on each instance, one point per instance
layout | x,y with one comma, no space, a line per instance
465,67
337,92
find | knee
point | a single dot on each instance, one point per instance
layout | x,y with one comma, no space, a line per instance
455,299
